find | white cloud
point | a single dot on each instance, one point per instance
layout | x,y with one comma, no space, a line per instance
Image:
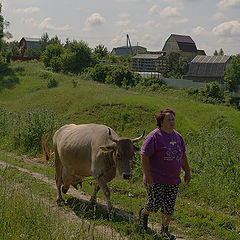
147,24
45,24
123,15
153,10
95,20
170,12
123,23
166,12
179,20
29,10
227,29
228,4
199,31
218,16
28,21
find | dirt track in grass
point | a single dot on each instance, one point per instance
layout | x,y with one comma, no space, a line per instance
73,216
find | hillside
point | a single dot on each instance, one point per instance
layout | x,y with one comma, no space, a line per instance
99,103
208,208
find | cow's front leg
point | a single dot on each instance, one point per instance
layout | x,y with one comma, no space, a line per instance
106,192
94,196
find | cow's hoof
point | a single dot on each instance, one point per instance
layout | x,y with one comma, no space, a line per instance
64,190
60,202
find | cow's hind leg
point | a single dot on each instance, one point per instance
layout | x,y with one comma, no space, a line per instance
94,196
58,177
106,192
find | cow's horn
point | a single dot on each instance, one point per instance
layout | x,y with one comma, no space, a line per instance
139,138
110,135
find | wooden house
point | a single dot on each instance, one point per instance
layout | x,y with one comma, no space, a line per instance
208,68
27,42
184,45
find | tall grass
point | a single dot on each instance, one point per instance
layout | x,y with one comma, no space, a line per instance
27,215
214,158
23,131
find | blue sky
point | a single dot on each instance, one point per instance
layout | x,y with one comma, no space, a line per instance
212,24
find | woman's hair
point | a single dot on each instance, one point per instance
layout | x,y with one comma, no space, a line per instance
162,114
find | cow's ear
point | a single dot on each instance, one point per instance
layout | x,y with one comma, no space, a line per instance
108,148
136,149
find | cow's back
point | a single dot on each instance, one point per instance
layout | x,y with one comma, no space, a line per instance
78,145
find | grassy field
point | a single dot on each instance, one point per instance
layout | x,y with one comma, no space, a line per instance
209,208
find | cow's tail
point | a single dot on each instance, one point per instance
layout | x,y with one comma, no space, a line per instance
45,147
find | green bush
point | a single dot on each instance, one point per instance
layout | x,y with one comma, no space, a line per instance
52,83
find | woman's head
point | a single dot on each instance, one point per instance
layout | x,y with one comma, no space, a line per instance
168,115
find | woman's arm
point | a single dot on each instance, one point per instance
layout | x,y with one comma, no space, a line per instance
146,170
186,168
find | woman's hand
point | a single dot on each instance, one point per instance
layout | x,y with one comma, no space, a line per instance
187,178
149,179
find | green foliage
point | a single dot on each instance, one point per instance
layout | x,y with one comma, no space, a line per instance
215,53
8,78
52,83
118,75
232,73
211,94
24,130
77,57
100,51
152,84
51,55
218,185
176,64
221,52
26,211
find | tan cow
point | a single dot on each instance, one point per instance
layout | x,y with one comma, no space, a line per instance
91,150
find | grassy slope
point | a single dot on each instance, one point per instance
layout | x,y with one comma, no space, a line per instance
130,112
93,102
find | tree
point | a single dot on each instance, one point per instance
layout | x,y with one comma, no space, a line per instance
177,65
77,57
232,73
52,51
221,52
3,24
100,51
215,53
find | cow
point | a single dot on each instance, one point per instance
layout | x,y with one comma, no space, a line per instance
91,150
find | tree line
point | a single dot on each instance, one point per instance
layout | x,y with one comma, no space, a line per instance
76,57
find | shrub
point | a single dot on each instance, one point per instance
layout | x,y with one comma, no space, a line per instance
52,83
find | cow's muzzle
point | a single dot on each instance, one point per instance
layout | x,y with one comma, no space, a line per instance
126,176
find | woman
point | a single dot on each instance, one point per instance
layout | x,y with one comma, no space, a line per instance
163,156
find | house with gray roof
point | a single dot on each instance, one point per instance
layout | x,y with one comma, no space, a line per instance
208,68
127,50
27,42
182,44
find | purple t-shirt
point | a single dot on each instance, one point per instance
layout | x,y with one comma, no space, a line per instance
165,152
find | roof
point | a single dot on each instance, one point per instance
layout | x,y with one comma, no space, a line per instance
125,50
210,59
183,38
148,56
185,43
121,51
28,39
208,66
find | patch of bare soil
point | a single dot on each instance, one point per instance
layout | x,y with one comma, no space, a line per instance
73,216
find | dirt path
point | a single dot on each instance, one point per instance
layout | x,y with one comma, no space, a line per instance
71,216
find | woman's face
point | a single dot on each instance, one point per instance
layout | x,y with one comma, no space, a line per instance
168,122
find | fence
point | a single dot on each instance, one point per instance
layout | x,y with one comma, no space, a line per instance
183,83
